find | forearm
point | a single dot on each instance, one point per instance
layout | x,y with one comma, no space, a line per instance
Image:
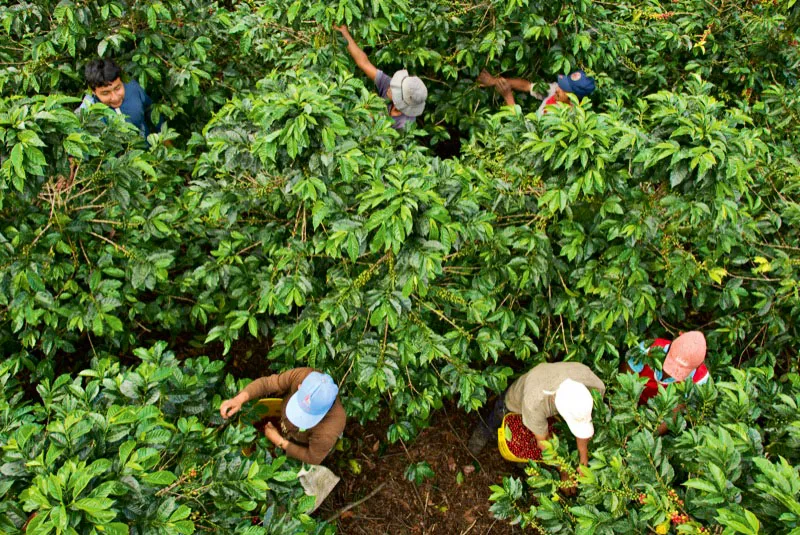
278,384
583,450
518,84
243,396
358,55
256,390
303,453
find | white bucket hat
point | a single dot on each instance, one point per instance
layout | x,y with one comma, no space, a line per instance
574,403
408,93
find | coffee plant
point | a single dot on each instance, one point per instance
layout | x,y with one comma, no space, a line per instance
728,461
278,207
138,450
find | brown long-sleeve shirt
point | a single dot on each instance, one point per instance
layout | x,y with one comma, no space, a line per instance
312,445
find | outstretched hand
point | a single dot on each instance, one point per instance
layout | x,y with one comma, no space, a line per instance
502,86
229,407
485,79
341,29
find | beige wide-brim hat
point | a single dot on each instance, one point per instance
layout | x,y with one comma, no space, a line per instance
408,93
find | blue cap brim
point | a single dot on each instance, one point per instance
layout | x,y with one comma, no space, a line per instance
565,83
299,417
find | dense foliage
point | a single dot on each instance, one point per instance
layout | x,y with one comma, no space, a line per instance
730,460
138,451
287,211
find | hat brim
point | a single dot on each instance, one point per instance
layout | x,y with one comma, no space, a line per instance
581,429
675,370
565,83
298,416
411,110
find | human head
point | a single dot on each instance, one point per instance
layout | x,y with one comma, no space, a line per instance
103,77
574,403
686,353
577,83
312,401
408,93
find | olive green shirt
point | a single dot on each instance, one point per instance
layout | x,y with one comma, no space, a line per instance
533,394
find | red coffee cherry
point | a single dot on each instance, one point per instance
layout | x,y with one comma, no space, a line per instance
522,443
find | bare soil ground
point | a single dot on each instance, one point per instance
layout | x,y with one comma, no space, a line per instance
448,503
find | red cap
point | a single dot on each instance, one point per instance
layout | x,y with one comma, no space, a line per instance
686,353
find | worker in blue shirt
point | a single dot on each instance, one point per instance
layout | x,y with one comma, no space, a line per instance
128,99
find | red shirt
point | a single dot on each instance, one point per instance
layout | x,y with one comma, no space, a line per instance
549,102
699,375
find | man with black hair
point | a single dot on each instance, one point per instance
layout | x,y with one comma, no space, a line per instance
128,99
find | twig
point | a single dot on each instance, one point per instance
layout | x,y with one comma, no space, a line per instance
739,364
470,527
45,229
143,327
168,488
455,433
116,246
355,504
259,242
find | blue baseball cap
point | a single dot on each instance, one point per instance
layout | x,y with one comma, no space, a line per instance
312,401
577,83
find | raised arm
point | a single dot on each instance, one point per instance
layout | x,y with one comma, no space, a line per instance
505,90
357,54
505,86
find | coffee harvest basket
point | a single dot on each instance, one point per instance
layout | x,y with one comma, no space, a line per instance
267,408
263,409
502,441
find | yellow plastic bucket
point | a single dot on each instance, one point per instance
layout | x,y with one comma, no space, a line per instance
502,445
264,408
267,408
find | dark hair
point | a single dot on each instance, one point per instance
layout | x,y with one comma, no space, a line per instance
101,72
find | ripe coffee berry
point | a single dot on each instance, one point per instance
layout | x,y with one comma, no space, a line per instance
679,518
642,498
522,442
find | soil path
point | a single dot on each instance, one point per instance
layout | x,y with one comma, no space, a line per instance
455,501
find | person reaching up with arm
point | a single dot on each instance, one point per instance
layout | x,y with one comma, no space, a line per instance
578,83
406,94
